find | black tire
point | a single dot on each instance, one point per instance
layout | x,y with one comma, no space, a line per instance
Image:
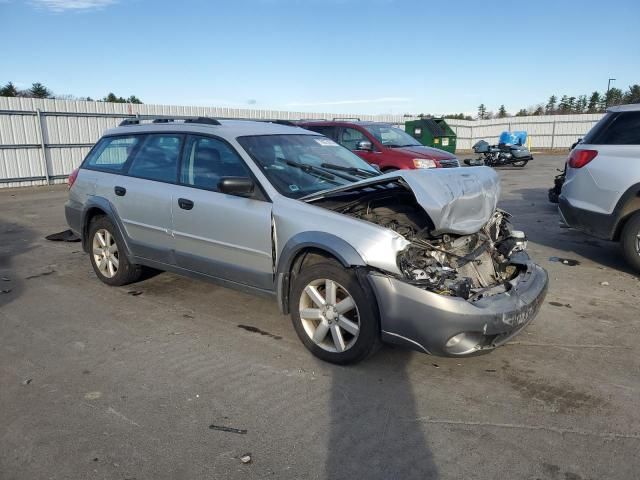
126,271
368,338
630,241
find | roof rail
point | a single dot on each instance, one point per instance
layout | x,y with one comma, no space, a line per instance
353,119
138,120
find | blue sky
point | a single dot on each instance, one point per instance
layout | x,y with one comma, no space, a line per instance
343,56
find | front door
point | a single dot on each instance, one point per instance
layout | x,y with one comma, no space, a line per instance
217,234
350,137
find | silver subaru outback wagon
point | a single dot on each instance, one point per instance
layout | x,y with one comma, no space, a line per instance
420,258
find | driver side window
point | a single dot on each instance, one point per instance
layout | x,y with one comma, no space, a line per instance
207,160
349,138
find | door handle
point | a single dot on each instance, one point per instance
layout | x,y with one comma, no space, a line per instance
120,191
185,204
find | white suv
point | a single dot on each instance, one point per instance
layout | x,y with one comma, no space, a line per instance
601,194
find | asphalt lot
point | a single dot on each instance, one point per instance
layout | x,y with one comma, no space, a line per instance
124,383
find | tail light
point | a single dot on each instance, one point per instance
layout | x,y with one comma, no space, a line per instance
579,158
72,177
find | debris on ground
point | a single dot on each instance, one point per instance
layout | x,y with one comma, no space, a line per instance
565,261
246,458
221,428
6,279
250,328
134,293
65,236
490,370
8,290
27,381
43,274
604,284
558,304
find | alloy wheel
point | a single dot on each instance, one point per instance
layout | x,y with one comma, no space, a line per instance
105,253
329,315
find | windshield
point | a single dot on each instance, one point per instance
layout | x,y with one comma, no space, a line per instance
391,136
299,165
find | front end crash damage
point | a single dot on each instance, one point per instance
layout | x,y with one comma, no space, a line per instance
466,284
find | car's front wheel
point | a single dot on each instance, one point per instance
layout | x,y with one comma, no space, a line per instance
630,240
334,315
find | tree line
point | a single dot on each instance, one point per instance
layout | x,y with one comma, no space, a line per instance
594,103
38,90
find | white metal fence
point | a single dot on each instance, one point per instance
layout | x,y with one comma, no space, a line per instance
42,141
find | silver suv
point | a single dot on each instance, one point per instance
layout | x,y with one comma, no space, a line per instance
418,258
601,193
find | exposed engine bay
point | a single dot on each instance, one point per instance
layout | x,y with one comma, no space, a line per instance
467,266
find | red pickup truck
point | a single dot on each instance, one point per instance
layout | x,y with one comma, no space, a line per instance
381,144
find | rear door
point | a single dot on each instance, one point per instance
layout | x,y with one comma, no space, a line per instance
143,197
220,235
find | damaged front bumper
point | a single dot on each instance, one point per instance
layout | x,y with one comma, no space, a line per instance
452,326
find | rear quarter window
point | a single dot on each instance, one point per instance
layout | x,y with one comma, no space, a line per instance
620,128
111,153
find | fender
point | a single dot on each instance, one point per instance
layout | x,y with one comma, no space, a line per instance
327,242
107,207
628,204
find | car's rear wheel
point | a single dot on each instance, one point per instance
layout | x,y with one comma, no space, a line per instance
335,316
108,257
630,240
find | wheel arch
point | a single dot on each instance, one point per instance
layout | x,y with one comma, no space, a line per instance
627,206
99,206
299,248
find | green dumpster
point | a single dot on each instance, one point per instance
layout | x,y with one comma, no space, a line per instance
432,132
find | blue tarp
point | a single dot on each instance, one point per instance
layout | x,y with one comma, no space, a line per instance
518,137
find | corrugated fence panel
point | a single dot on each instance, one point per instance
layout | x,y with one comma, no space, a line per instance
69,127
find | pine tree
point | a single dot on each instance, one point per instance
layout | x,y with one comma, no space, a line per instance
633,94
563,106
38,90
581,104
614,97
9,90
594,103
134,99
111,98
502,112
482,111
539,111
550,109
522,112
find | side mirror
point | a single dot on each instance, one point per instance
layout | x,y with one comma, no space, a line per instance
364,145
239,186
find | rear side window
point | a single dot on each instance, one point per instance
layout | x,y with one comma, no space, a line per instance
112,153
622,128
157,158
327,131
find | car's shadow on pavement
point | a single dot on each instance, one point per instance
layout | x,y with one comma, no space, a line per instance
544,227
373,432
15,239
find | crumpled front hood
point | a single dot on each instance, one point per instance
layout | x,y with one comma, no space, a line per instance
458,200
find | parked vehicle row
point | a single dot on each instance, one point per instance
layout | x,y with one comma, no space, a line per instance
420,257
388,147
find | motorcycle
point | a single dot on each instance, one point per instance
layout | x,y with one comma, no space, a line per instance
558,181
499,155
